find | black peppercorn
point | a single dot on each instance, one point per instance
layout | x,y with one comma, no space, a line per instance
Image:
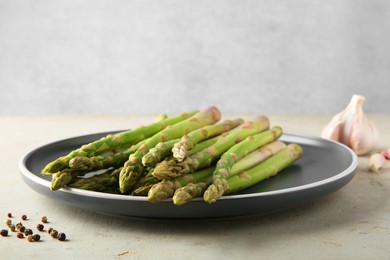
28,232
61,236
36,237
4,232
40,227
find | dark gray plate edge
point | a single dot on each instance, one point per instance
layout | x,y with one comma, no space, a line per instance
298,138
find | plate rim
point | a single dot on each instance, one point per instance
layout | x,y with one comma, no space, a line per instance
94,194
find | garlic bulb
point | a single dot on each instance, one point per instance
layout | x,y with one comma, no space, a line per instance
353,128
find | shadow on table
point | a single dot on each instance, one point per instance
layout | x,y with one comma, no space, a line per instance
343,210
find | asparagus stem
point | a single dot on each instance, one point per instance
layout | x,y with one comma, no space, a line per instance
133,168
115,141
262,171
184,195
64,177
166,188
188,141
98,182
209,155
235,153
158,153
103,161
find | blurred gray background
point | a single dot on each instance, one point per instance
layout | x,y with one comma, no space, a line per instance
127,57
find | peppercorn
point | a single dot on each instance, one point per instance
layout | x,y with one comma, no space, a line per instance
50,230
44,219
36,237
24,217
61,236
28,232
18,225
54,233
4,232
19,235
12,227
8,222
22,228
9,215
30,238
40,227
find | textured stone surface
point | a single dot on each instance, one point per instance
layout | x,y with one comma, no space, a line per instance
352,223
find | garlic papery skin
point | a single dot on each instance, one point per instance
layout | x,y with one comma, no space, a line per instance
353,128
376,162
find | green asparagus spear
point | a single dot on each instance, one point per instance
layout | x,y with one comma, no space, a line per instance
144,184
186,194
188,141
142,190
80,165
133,168
166,188
98,182
64,177
235,153
115,141
158,153
262,171
257,156
209,155
102,161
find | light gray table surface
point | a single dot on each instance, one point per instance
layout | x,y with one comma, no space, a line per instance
352,223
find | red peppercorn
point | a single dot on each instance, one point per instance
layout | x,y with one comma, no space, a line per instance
20,235
24,217
9,215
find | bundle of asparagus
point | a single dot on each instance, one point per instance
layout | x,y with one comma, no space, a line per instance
180,157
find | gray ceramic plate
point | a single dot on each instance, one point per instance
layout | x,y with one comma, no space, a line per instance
325,167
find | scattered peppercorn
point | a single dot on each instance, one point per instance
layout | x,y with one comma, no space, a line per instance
12,227
18,225
4,232
9,215
24,217
54,233
44,219
50,230
20,235
30,238
22,228
36,237
40,227
8,222
28,232
61,236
